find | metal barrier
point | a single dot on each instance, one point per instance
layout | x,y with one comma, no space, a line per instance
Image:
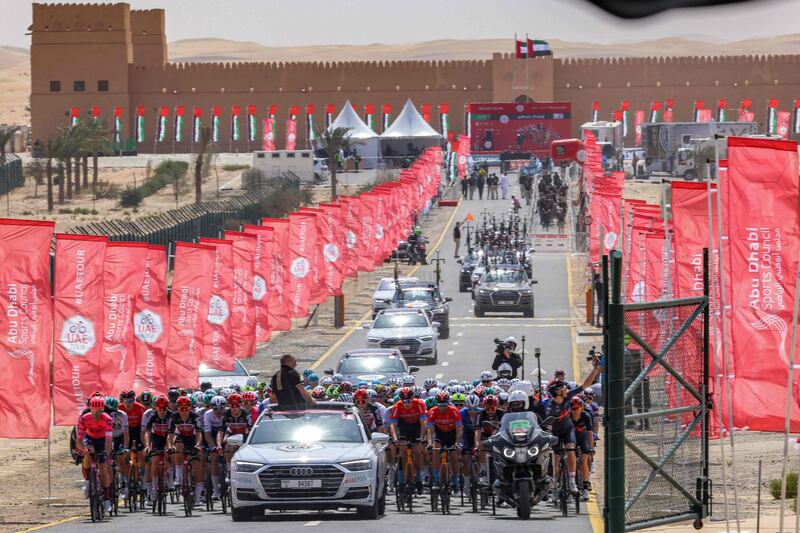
190,221
657,407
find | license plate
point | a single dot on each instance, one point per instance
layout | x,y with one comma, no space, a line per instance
506,302
301,483
404,347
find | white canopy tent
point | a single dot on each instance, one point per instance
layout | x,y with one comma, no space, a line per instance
409,134
367,142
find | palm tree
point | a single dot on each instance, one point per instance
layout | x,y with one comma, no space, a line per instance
52,150
333,141
95,140
6,134
202,147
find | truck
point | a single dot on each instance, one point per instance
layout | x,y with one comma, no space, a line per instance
610,138
681,149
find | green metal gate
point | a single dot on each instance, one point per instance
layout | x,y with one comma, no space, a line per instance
657,410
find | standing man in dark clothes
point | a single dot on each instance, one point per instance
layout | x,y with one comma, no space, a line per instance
481,183
457,237
598,291
287,386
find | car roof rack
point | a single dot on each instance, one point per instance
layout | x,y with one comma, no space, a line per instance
319,406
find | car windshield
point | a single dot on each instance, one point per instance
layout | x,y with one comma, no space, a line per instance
386,285
419,295
208,372
515,422
405,320
307,427
382,364
504,276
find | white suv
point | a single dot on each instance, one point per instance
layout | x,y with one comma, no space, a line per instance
321,457
409,331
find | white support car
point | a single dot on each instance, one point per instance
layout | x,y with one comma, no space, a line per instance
409,331
385,291
321,457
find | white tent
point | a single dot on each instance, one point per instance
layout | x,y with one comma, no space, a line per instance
409,134
367,141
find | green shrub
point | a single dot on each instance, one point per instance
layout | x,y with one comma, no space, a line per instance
166,173
791,486
130,197
232,167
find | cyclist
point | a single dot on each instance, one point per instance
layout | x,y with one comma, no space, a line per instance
445,430
121,441
135,412
584,434
95,430
369,412
213,419
157,430
249,399
235,421
187,438
173,396
407,420
471,424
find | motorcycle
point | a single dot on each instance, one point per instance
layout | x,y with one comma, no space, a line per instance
417,252
520,459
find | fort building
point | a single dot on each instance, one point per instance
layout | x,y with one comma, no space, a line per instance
111,56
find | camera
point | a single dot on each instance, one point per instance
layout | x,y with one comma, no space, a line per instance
592,354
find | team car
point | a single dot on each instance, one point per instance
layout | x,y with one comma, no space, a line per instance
424,296
371,365
505,289
409,331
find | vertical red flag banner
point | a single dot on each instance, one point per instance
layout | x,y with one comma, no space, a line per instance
218,336
150,320
262,265
291,134
333,247
351,226
302,241
278,302
638,120
26,327
319,287
243,307
367,211
654,266
188,309
78,323
636,273
123,272
610,212
426,113
268,129
463,156
380,231
764,249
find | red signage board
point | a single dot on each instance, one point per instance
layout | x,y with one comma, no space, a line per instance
529,127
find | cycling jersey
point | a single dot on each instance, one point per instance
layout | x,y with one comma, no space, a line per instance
444,420
560,412
583,423
263,404
489,423
212,422
135,414
119,424
414,413
159,427
146,416
187,428
236,424
254,412
471,419
371,417
95,429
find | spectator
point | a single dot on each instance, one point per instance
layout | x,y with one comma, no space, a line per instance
287,386
457,237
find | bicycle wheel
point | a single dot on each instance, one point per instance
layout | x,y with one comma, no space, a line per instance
400,496
93,497
209,488
434,500
188,499
563,489
445,488
473,493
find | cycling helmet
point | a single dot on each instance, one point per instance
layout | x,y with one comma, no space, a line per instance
112,403
234,400
307,372
248,388
162,402
433,392
518,396
208,397
318,393
408,380
127,395
184,401
97,402
406,394
472,401
559,372
589,393
503,398
442,398
452,383
333,391
249,396
346,397
217,402
345,386
459,398
146,398
236,387
460,389
204,386
430,401
337,379
372,395
173,395
490,402
197,396
576,402
487,375
525,386
480,390
504,370
555,386
504,383
511,340
476,382
192,400
380,389
468,387
417,391
261,386
326,381
361,395
417,230
490,390
183,391
429,383
362,384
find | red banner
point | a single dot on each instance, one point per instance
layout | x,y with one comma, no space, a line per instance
690,222
528,127
746,116
783,119
26,323
278,284
333,245
123,272
268,129
218,335
764,248
188,305
610,213
463,156
244,312
262,266
150,320
668,115
319,286
291,134
367,210
78,324
302,242
351,221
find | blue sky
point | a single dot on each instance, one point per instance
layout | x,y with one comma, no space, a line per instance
309,22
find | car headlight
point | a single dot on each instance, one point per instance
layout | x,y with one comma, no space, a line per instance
358,465
484,291
245,466
374,339
525,291
426,338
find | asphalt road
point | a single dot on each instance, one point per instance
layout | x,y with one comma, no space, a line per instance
467,352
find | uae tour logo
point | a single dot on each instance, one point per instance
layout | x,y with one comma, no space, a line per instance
300,267
147,326
217,310
77,335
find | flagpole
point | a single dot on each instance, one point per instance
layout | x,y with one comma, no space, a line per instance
514,67
175,121
788,412
527,56
155,137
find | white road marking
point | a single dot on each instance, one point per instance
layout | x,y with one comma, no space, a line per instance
455,343
439,376
446,363
460,334
450,352
313,523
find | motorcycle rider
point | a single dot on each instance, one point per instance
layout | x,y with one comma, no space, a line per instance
504,353
414,241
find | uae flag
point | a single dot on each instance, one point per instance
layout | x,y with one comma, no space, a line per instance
538,48
117,124
655,109
216,111
468,120
74,115
595,111
95,112
444,119
387,116
329,108
310,135
722,105
772,115
796,126
252,125
369,113
197,123
180,111
520,48
236,133
161,131
426,112
139,124
698,105
625,105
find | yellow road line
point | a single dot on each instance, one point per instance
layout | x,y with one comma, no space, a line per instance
595,516
51,524
357,325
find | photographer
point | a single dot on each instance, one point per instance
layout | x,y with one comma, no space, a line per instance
504,353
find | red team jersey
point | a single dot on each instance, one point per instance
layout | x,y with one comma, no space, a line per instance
94,429
134,414
414,413
445,420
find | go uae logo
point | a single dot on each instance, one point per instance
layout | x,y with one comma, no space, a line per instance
300,267
610,240
147,326
77,335
217,310
350,239
331,252
379,231
259,288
